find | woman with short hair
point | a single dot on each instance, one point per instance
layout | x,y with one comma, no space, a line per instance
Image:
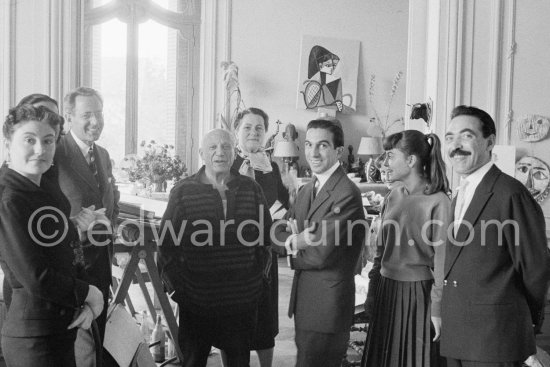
39,248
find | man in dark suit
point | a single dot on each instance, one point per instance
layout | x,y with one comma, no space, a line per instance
326,248
86,178
497,264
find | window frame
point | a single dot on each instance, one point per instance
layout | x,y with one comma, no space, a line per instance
187,23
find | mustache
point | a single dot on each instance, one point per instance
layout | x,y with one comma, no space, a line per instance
459,151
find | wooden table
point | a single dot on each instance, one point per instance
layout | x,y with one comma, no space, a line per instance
142,231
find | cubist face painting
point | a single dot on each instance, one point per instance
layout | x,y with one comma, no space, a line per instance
533,128
535,175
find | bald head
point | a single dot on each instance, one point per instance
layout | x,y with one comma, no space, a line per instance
224,134
218,151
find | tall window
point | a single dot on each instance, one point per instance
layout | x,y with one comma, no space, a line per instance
143,56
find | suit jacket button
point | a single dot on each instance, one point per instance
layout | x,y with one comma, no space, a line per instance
455,283
445,282
62,312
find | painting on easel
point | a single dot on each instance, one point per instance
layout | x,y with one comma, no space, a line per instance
328,74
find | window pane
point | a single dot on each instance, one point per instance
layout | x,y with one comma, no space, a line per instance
108,76
96,3
157,84
171,5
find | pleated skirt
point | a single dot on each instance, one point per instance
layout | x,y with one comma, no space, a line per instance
400,333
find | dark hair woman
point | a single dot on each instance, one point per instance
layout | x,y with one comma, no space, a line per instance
39,248
38,99
406,279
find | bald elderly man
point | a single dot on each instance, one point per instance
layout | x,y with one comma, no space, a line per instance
217,260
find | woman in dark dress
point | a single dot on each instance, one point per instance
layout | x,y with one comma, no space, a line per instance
35,99
250,127
39,248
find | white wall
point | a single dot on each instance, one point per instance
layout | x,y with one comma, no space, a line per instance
531,77
494,55
32,53
265,44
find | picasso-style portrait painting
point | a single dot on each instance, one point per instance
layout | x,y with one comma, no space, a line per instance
328,74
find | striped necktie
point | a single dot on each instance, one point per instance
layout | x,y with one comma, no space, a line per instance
92,164
315,187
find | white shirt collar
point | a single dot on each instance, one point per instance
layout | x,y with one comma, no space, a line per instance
475,178
81,145
323,177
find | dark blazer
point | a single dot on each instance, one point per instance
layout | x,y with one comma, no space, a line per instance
323,289
78,184
495,287
46,291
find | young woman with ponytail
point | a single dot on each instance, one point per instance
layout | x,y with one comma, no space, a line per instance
403,305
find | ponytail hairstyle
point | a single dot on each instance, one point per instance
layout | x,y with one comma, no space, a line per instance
427,148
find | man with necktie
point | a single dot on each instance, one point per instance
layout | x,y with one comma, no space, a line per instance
497,264
326,247
86,178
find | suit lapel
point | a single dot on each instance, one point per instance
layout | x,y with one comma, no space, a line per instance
78,162
483,193
103,175
324,194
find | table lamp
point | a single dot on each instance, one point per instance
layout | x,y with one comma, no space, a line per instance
286,150
372,147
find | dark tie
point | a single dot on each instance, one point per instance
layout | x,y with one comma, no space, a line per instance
92,164
315,187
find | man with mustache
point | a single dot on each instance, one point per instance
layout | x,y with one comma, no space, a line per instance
86,178
497,263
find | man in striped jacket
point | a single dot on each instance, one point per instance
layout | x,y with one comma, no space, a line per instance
214,254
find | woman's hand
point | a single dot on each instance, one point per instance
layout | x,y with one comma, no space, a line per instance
436,321
533,361
94,300
83,319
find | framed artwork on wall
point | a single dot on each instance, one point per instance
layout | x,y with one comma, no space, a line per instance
328,74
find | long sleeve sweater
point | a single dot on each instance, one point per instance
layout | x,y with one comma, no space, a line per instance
411,239
214,262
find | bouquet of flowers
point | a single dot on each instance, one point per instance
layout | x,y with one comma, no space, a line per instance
157,165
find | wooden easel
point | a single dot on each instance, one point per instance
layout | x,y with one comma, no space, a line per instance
145,249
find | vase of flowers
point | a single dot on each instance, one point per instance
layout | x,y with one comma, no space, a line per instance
158,164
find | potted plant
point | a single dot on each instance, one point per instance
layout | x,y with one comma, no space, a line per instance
158,164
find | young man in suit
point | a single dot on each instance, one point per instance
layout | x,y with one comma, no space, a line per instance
86,178
497,265
326,248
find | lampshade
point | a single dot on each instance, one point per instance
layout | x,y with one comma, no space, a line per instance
370,146
285,149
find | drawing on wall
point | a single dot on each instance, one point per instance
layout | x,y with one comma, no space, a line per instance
533,128
535,175
328,74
